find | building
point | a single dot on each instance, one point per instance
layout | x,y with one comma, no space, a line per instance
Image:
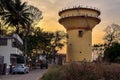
11,50
97,53
79,22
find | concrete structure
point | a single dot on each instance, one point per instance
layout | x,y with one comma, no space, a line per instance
11,49
79,22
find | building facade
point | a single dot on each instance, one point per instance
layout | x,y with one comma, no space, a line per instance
11,50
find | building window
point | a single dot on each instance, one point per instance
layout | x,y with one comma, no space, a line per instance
14,44
1,59
80,33
3,42
17,45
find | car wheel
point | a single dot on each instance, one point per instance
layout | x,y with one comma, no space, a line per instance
25,71
28,71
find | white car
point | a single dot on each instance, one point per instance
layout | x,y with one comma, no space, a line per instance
20,68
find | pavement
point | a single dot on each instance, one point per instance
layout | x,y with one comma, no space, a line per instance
35,74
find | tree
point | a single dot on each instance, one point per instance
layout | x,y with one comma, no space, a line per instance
58,41
19,16
36,17
2,9
37,14
46,43
2,30
35,40
111,38
54,42
16,15
1,5
112,34
112,53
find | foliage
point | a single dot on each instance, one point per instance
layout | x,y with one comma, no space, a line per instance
18,15
2,30
112,34
111,38
112,53
83,71
3,5
37,14
47,43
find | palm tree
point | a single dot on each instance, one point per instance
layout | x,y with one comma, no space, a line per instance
17,15
3,4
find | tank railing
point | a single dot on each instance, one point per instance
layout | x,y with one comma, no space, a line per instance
80,14
79,6
85,15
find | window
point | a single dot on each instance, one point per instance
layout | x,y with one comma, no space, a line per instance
1,59
3,42
13,44
80,33
16,44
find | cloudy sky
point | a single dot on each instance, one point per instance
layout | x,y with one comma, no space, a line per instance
110,13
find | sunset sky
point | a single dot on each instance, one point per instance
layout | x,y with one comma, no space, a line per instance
110,13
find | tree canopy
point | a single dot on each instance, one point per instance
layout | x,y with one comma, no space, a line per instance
112,45
112,34
47,43
19,15
112,53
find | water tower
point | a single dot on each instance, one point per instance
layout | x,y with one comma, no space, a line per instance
79,22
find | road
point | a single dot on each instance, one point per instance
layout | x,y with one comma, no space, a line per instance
32,75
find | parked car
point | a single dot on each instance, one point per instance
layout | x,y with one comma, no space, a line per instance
43,63
20,68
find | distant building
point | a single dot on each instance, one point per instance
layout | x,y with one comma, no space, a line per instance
60,58
11,50
97,53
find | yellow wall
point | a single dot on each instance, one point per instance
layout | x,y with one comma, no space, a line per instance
78,44
79,22
79,48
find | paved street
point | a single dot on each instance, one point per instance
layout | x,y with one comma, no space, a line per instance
32,75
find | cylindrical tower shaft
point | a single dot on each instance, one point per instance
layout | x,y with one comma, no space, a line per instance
79,45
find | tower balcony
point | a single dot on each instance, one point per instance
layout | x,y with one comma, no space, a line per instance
79,18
